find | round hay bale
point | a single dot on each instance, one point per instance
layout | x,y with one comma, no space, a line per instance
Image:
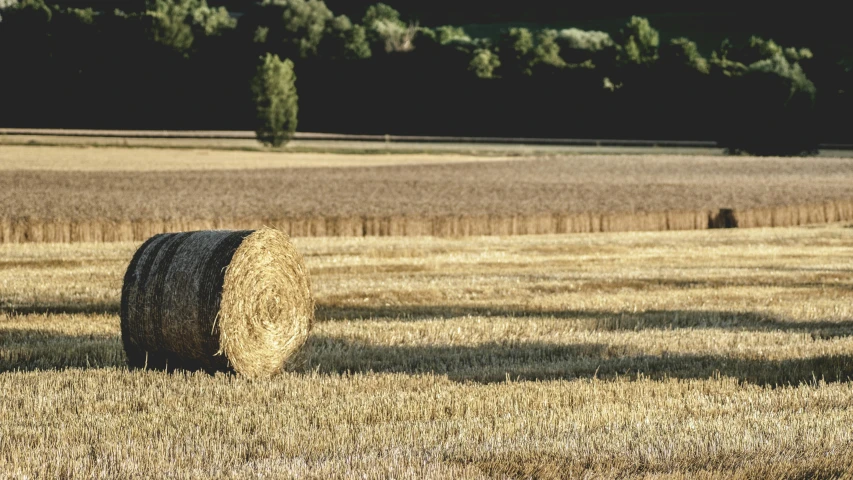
216,300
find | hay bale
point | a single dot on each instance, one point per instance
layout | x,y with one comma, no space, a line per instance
216,300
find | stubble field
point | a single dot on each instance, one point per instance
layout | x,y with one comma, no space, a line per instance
696,354
708,354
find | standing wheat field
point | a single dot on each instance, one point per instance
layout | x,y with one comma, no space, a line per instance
705,354
68,194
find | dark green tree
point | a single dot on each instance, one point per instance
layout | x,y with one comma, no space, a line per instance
27,15
344,41
484,63
290,28
303,29
547,50
26,56
386,31
6,4
177,23
637,43
276,101
381,12
516,49
682,54
449,34
585,48
770,108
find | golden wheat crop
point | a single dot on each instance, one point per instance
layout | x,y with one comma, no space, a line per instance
118,159
529,186
712,354
53,194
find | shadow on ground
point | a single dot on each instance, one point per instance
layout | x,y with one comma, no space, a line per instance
34,349
597,319
584,319
24,349
27,350
495,362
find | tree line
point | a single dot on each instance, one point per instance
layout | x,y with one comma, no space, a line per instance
182,64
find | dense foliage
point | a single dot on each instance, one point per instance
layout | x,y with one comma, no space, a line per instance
274,90
184,64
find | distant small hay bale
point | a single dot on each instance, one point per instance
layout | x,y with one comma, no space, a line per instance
216,300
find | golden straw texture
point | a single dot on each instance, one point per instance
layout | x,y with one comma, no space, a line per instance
267,309
188,298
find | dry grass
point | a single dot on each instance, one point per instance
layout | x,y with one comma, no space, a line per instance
711,354
118,159
237,301
267,309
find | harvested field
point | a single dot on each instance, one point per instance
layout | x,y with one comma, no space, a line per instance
712,354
